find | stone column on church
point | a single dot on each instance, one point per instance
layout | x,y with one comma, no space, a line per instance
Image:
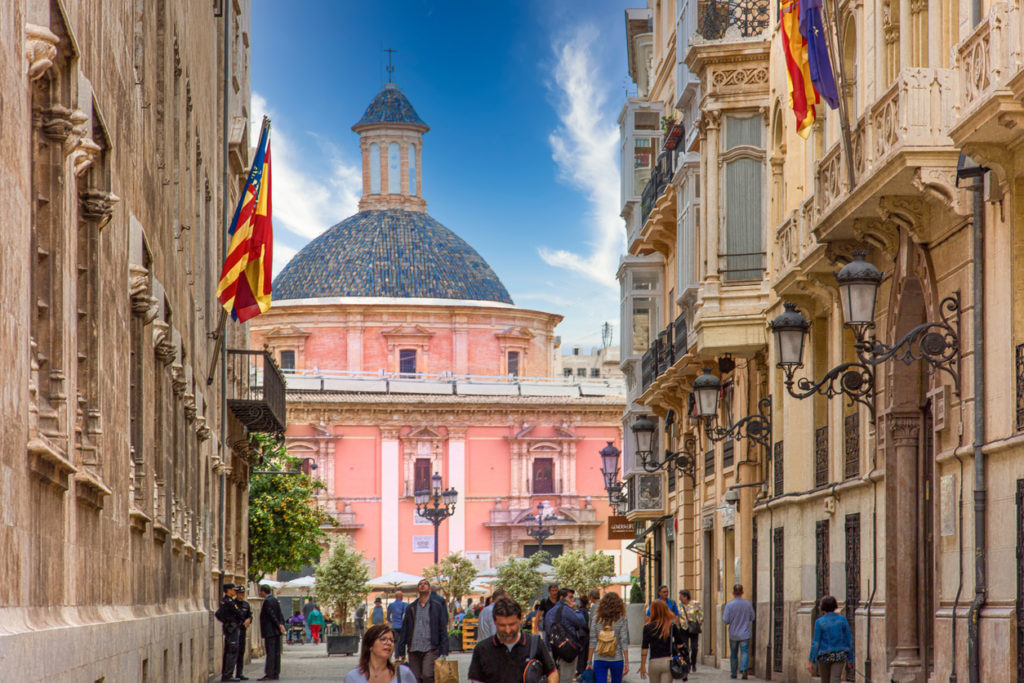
902,563
457,480
389,484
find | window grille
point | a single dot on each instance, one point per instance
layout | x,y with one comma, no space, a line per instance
851,446
778,606
821,456
852,573
777,468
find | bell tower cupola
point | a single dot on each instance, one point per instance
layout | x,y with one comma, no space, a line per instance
391,140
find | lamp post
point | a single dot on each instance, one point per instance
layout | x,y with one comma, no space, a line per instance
757,427
436,505
610,471
539,532
684,460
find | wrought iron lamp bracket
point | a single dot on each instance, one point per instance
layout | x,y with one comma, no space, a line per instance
757,426
854,380
937,343
684,460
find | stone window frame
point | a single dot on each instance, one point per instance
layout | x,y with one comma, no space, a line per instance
288,338
513,339
421,442
414,337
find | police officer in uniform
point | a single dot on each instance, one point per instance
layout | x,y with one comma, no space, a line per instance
246,611
230,618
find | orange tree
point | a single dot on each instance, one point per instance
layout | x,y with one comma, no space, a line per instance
285,519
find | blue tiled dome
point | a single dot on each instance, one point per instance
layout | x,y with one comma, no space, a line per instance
390,106
389,253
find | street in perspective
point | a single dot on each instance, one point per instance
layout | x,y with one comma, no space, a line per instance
432,342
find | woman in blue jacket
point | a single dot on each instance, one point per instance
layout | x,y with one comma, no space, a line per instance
832,647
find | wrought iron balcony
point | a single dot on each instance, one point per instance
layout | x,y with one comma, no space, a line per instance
666,352
661,176
749,17
679,337
649,366
256,395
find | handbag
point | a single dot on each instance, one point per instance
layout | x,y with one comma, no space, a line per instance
533,669
676,667
446,671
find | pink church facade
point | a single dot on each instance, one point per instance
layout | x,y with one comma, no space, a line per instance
405,356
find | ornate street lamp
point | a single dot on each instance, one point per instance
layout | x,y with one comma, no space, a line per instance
610,471
684,460
756,427
855,380
436,505
540,533
937,343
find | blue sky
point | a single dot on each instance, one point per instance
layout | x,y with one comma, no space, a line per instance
522,157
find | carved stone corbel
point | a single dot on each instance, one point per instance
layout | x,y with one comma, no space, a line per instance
79,147
907,212
190,406
40,49
202,430
97,205
939,184
139,289
880,234
178,383
162,346
56,123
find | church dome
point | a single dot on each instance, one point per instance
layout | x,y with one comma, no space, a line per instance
389,253
390,106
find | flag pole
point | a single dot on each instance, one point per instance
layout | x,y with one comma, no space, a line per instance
833,38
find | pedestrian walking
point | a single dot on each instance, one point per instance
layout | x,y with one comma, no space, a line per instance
360,620
739,617
832,645
692,617
424,634
510,656
377,615
485,626
663,639
316,623
307,607
230,619
663,597
548,603
564,631
375,663
396,610
243,631
272,628
608,654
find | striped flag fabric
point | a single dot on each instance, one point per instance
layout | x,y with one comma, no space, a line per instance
813,30
803,98
244,288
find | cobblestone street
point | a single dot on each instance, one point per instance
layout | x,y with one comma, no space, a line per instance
310,663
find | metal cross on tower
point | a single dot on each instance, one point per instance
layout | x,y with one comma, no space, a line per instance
391,67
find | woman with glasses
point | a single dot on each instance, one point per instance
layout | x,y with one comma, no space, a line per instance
375,665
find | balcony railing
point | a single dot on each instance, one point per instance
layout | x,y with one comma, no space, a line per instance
661,176
257,393
679,336
666,351
715,18
649,366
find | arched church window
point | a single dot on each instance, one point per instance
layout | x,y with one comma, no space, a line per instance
374,168
394,169
412,170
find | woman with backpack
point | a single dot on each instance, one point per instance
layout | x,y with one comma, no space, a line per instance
609,640
664,639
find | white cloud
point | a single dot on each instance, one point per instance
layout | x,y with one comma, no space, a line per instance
305,203
282,255
585,148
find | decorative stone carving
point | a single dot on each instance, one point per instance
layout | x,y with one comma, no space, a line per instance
139,289
905,211
79,146
904,429
40,49
751,76
97,205
178,382
56,123
162,346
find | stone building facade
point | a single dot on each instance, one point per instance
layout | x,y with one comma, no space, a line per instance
110,468
905,506
405,357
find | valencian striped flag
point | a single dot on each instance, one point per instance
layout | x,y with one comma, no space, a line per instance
802,96
244,287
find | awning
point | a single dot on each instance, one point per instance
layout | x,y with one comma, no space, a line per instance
656,524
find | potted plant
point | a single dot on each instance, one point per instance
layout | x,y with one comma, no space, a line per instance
341,585
455,639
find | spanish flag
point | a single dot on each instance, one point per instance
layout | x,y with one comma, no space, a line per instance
244,287
802,96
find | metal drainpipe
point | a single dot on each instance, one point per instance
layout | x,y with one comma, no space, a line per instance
960,578
223,251
980,492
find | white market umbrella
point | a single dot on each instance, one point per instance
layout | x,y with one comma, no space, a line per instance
299,587
620,580
394,580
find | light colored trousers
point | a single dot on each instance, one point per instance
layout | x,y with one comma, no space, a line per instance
658,671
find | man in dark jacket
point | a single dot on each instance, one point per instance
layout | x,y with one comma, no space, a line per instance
231,620
271,628
243,631
424,632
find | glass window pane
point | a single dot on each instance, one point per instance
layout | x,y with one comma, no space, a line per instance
645,120
287,360
375,168
645,282
394,169
642,318
513,363
745,131
407,361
